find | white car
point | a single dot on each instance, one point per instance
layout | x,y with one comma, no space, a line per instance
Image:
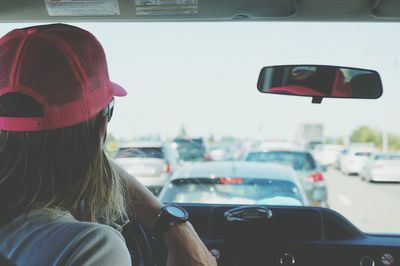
384,167
327,154
354,160
234,183
277,144
150,162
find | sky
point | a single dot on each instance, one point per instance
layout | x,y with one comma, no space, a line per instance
203,76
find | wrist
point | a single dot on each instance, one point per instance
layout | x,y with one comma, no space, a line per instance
176,233
170,216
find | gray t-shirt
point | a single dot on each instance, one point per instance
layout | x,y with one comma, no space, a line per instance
54,237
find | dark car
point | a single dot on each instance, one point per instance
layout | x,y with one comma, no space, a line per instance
191,149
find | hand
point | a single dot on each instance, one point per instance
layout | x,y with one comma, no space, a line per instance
186,248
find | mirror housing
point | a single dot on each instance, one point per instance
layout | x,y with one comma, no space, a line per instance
319,81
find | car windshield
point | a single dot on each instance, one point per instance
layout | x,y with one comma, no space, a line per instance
233,191
139,152
199,80
362,154
387,157
297,160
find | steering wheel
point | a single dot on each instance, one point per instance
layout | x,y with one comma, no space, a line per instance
138,244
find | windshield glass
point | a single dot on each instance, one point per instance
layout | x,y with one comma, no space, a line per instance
139,153
244,191
297,160
199,80
362,154
387,157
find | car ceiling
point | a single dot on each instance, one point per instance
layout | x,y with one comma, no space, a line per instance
215,10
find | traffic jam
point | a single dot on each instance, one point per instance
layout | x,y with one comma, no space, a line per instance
306,171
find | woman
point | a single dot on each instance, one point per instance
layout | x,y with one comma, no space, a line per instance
61,199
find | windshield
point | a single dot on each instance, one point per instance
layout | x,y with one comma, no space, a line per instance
139,153
297,160
243,191
199,80
388,157
362,154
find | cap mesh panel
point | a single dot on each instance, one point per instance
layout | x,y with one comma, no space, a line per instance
63,64
48,71
91,58
7,55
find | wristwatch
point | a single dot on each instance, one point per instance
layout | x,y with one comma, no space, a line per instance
169,216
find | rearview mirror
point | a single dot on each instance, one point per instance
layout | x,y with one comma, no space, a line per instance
320,81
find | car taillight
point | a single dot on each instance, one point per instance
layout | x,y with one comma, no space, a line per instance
231,180
207,157
316,177
167,168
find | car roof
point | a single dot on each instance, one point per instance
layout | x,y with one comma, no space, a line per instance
206,10
188,139
362,149
142,144
236,169
387,153
330,145
294,150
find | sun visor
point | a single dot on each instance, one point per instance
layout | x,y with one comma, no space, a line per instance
387,9
247,9
146,10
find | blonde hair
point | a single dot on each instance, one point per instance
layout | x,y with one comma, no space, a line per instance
65,169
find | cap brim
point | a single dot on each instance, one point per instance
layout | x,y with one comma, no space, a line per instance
118,90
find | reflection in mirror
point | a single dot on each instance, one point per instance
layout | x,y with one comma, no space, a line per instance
320,81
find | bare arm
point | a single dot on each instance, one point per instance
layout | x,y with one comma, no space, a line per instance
183,243
143,206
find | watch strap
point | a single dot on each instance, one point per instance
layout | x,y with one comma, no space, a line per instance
166,220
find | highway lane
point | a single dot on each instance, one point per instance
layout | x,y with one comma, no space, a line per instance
372,207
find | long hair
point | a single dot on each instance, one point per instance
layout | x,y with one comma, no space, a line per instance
63,168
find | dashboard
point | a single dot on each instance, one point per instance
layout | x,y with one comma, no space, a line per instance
266,235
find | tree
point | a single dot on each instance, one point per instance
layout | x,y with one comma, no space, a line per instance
340,141
366,135
182,132
394,142
330,140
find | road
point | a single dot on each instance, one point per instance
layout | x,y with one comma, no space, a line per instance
372,207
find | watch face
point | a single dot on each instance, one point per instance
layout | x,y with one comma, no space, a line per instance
175,211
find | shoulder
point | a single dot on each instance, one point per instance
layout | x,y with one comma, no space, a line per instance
71,242
97,244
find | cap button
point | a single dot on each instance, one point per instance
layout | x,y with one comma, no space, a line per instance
31,30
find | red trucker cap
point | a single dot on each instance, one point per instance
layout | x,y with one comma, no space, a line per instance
63,68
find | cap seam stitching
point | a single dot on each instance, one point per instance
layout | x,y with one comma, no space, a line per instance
16,64
76,66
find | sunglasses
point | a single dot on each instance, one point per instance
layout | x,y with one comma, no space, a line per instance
109,110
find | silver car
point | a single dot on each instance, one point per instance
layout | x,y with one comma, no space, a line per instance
384,167
309,173
234,183
151,162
